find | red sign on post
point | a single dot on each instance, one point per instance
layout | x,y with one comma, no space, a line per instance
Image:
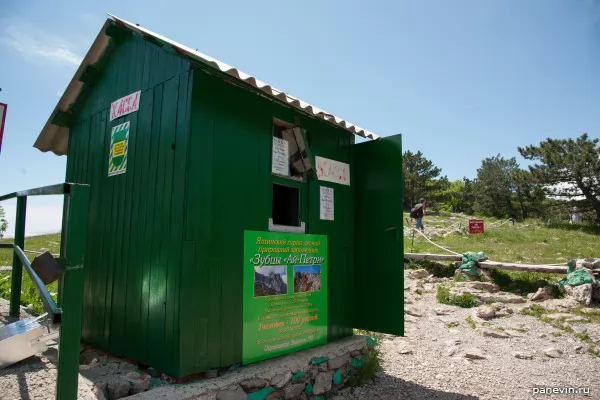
3,108
475,226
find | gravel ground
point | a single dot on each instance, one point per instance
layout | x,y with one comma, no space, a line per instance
422,365
35,377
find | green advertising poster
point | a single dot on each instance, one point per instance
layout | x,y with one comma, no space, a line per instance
285,293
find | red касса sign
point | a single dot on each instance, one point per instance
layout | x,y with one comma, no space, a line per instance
475,226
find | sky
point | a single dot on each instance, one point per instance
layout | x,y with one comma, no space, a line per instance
461,80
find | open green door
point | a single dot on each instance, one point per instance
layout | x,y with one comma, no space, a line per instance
379,245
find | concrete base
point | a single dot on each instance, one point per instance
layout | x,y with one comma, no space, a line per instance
269,370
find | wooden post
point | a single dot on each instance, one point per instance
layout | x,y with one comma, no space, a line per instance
72,295
17,267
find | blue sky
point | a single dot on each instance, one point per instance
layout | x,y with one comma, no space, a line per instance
461,80
308,269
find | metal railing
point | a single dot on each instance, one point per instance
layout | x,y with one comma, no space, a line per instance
70,293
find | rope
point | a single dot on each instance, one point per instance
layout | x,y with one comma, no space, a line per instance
435,244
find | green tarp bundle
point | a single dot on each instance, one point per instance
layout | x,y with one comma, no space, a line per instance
468,267
576,278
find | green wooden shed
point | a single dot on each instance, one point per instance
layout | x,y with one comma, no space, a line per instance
183,154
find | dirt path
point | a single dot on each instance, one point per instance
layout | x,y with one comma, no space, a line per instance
430,362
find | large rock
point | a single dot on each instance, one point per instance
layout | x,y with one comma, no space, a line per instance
581,294
561,305
280,380
523,355
413,312
485,312
417,273
294,391
117,388
338,362
496,334
486,286
548,292
596,291
323,383
232,394
475,354
254,383
139,383
587,263
553,352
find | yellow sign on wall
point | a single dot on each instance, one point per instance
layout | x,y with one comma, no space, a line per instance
117,158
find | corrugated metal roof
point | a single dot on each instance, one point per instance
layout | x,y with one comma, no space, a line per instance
56,138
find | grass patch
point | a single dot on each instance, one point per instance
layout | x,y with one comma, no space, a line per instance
29,296
466,300
419,291
557,334
452,324
592,315
470,321
535,310
371,364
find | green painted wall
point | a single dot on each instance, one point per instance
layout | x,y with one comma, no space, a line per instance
135,225
163,281
229,191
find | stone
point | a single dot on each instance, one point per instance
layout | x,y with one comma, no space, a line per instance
413,312
576,318
323,367
581,294
578,348
553,352
229,394
313,372
509,299
452,350
522,355
139,383
587,263
495,334
580,329
117,388
417,273
547,292
404,350
323,383
99,389
212,373
338,362
596,291
355,353
485,286
561,305
260,394
280,380
294,391
443,311
275,395
254,383
485,312
475,354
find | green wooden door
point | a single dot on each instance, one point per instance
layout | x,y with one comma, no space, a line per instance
378,246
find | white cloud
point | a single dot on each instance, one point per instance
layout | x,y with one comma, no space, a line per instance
39,46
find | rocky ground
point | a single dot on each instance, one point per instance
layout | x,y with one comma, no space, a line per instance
35,377
487,352
492,351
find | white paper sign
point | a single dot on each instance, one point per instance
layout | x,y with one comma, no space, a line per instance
280,163
326,203
125,105
332,171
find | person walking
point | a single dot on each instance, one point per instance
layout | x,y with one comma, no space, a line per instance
418,212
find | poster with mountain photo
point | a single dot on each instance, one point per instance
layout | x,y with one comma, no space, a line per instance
285,294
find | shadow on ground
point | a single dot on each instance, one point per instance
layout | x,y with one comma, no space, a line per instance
389,387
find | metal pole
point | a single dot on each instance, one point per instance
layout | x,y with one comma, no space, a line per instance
72,296
17,267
